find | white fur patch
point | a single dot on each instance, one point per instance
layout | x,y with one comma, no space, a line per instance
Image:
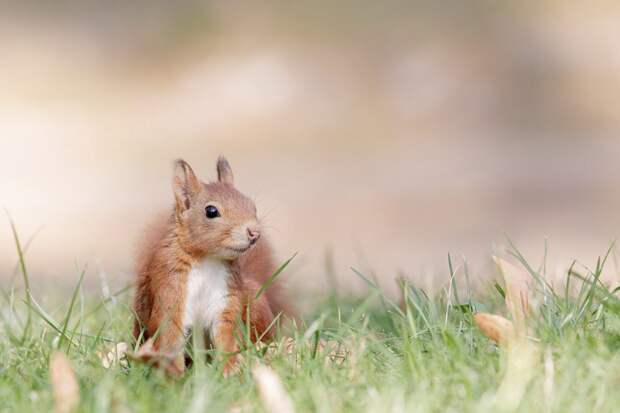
207,295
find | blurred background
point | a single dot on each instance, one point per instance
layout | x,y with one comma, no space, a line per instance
375,135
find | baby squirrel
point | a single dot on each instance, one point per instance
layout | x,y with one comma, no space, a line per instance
202,265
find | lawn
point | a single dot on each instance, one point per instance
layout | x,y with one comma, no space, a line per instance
418,353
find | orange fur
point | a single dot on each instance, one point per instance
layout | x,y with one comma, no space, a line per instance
182,239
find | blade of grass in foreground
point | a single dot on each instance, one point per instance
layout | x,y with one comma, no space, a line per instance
452,290
8,330
70,310
376,288
25,248
38,310
601,292
273,276
106,300
416,300
22,266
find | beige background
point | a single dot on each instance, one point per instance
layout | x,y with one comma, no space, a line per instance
375,136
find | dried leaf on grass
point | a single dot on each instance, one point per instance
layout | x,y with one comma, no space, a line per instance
240,407
333,351
65,387
521,359
495,327
272,394
113,356
522,355
518,289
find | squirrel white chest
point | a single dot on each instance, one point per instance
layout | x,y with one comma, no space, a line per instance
207,295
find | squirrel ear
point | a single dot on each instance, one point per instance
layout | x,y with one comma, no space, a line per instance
185,184
224,171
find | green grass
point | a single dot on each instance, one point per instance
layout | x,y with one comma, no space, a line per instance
426,355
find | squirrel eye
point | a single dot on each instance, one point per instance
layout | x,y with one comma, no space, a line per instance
212,212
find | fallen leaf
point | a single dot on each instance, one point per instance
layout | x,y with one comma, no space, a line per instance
289,345
271,390
240,407
495,327
521,359
111,357
518,290
65,387
333,351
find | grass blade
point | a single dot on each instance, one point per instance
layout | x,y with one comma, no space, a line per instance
24,271
273,276
70,310
375,287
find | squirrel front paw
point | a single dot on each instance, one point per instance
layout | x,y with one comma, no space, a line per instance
173,365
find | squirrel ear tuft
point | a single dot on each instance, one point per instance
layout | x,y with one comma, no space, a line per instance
224,172
184,183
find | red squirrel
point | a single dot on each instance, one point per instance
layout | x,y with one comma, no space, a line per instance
202,265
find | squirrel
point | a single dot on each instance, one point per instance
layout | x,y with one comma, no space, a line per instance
202,265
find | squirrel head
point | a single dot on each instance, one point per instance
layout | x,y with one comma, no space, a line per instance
213,219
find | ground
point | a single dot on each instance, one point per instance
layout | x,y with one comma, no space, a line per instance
369,353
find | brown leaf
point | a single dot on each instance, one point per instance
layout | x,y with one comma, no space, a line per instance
65,386
240,407
495,327
289,345
333,352
117,354
271,391
518,290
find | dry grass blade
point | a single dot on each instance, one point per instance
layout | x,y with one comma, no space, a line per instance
65,386
271,390
495,327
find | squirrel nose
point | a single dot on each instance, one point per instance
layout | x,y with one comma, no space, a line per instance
253,235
